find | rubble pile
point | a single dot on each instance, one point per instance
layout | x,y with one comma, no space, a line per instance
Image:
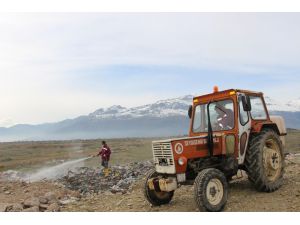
117,179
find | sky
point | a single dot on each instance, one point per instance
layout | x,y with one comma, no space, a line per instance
55,66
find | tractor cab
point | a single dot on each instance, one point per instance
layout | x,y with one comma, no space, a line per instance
232,114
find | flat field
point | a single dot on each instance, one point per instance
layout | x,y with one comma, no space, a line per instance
30,155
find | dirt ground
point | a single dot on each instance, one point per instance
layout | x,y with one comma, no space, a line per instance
242,196
18,192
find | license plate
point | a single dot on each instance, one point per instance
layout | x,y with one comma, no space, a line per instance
163,162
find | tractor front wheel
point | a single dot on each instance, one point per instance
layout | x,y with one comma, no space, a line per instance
156,198
211,190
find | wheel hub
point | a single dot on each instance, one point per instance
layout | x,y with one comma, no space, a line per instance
214,191
272,160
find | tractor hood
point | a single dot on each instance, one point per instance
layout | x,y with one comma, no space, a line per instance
177,151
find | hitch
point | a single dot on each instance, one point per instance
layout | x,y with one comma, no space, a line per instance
163,184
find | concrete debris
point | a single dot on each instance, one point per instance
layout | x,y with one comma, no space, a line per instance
116,179
83,181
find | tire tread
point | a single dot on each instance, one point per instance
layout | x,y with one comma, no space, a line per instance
254,163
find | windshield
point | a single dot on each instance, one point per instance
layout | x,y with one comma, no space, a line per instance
221,116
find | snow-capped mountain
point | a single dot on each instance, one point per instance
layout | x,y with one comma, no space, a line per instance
164,108
177,107
289,106
162,118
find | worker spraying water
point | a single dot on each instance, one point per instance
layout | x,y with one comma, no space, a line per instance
105,153
60,170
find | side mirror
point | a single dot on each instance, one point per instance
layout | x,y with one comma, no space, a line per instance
246,103
190,111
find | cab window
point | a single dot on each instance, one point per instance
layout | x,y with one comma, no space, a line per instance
258,111
221,116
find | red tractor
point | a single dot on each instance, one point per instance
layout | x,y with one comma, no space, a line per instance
229,130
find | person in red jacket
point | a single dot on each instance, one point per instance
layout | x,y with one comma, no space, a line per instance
105,154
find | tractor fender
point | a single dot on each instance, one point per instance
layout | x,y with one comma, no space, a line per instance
281,128
276,123
280,124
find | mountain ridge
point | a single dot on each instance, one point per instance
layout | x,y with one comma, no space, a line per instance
162,118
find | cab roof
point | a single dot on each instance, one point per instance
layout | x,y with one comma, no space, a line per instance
228,93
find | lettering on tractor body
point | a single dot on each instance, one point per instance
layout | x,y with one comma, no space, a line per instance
230,130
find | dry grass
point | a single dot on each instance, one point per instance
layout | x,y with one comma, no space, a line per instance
29,155
293,141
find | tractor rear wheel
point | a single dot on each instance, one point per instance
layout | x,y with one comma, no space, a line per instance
211,190
156,198
265,161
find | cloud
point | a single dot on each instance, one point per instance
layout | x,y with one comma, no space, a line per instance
59,65
197,39
6,122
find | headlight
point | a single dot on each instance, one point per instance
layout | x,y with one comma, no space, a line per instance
181,161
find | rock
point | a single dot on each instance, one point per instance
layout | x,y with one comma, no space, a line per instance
3,207
54,207
108,193
122,183
24,184
43,200
15,208
61,194
76,194
51,197
3,189
118,190
31,202
68,201
43,207
7,192
32,209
